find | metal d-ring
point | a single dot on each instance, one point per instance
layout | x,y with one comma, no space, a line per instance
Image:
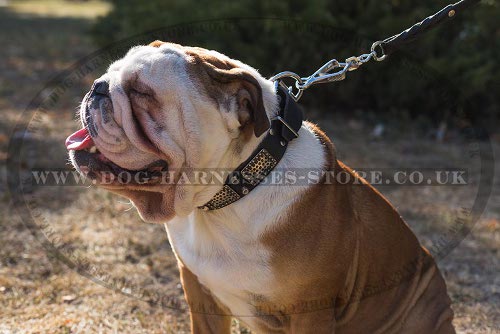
298,83
374,51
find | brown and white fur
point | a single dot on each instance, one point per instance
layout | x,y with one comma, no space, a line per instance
321,258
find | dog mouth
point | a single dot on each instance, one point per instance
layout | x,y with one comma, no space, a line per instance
89,161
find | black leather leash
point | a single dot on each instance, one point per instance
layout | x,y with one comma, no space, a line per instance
284,128
394,43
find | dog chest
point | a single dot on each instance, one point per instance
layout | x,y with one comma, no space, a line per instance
233,266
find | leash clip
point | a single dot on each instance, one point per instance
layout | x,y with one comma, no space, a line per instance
333,70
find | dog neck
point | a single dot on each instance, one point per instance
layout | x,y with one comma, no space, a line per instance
266,202
249,174
303,152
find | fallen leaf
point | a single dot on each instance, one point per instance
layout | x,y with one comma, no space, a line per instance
68,298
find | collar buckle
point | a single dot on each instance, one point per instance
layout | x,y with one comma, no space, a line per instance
279,118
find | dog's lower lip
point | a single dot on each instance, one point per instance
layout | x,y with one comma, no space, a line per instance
95,165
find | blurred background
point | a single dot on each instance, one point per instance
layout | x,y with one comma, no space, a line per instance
434,104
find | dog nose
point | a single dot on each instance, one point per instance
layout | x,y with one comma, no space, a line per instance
101,87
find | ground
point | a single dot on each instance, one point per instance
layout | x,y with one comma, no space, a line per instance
41,294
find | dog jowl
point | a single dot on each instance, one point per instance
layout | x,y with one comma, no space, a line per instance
308,258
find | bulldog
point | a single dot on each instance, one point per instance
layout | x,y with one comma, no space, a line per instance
310,257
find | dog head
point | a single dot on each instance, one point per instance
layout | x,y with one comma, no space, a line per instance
163,111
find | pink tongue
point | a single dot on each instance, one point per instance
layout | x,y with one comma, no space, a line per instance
79,140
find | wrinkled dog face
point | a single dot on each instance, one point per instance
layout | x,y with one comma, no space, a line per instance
165,109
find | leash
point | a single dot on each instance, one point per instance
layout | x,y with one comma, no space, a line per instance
334,70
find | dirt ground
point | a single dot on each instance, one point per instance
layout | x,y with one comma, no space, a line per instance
39,293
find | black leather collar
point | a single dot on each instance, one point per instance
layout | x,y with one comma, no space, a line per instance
284,128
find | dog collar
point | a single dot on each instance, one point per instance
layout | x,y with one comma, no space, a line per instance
248,175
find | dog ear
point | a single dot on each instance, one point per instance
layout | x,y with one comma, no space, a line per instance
223,71
156,43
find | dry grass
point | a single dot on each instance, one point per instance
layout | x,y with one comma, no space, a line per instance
40,294
58,8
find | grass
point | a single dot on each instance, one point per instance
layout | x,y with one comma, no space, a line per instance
40,294
60,8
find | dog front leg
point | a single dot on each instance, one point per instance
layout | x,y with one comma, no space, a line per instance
315,322
207,316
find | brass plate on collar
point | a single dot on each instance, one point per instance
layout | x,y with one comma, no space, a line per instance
259,167
223,197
